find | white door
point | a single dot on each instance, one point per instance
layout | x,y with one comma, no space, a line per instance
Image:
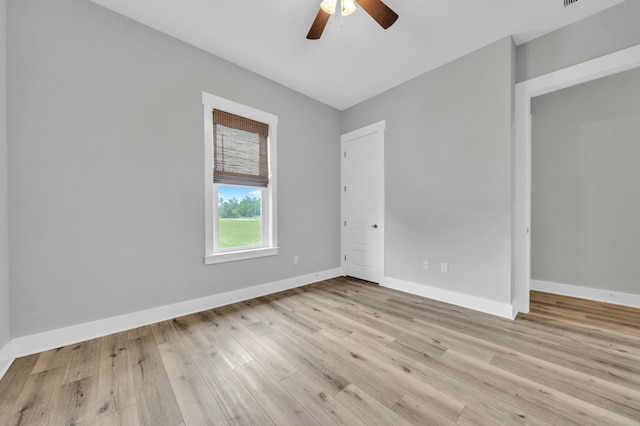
363,203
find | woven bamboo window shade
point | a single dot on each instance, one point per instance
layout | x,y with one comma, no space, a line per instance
240,155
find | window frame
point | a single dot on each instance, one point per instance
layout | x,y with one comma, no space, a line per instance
269,246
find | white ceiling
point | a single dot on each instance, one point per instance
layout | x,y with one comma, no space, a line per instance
355,58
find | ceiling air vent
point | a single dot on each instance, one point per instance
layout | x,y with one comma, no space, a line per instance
569,2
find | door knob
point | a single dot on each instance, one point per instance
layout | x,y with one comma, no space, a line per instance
375,226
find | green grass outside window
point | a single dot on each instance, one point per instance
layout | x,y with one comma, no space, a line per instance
242,232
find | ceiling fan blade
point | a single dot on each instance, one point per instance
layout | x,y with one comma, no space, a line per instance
379,11
318,25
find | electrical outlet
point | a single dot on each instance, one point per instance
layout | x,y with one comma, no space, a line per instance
296,260
444,268
425,264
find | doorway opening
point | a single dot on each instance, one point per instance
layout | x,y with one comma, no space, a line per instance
591,70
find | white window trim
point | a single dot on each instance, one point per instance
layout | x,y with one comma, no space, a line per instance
269,195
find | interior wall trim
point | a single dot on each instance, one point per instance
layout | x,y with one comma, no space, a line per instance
493,307
39,342
6,358
599,295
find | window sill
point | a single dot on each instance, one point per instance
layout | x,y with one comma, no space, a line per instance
232,256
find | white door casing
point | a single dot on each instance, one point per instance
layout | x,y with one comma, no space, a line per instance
362,153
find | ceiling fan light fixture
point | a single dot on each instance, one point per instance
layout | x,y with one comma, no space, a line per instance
329,6
348,7
379,11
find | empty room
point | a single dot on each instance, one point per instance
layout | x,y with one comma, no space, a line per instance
319,212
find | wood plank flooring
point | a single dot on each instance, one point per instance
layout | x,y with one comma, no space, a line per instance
343,352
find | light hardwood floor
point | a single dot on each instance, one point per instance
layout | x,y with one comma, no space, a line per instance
343,352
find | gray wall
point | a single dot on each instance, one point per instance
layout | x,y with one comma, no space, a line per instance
586,184
611,30
448,173
4,227
106,168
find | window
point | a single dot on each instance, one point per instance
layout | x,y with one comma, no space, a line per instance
240,181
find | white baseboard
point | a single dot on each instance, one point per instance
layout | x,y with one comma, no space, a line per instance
6,358
514,308
608,296
39,342
500,309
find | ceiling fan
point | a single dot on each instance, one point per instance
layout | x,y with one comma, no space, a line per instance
379,11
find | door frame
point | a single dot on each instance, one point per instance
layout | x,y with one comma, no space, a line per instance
594,69
375,128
